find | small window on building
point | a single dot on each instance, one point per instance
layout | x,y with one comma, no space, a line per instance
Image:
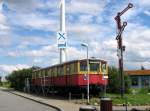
145,81
83,66
134,81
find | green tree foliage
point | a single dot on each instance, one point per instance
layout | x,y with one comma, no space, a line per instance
17,78
114,80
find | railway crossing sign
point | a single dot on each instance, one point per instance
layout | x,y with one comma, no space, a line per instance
61,40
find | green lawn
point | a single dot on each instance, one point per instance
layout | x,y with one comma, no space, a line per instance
5,84
132,99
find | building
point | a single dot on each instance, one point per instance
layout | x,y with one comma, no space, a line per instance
139,78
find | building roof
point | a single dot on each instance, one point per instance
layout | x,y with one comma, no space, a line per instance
138,72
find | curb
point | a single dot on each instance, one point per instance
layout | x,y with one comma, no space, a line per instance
58,109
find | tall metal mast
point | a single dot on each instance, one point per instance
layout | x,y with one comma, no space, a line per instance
62,39
121,48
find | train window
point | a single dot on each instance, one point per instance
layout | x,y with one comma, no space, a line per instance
43,73
68,69
39,73
94,66
75,67
72,68
49,72
33,75
46,72
52,72
83,66
60,70
36,75
103,68
55,71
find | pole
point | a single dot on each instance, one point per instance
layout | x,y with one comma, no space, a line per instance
88,79
120,48
120,56
88,68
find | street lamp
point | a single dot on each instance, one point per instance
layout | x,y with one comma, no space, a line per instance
86,45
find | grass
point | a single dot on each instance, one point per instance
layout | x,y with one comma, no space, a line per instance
5,84
131,99
139,97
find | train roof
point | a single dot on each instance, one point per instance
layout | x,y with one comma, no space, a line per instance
67,62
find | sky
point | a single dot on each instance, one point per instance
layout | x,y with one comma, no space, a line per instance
28,32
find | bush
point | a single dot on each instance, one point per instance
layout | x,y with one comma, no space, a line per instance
144,90
17,78
114,81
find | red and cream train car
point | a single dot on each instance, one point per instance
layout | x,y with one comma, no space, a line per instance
72,75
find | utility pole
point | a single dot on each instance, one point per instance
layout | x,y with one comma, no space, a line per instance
120,47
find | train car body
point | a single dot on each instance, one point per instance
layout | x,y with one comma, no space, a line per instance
72,75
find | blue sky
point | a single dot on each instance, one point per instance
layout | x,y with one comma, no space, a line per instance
28,32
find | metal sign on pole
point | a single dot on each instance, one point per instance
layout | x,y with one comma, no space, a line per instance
61,40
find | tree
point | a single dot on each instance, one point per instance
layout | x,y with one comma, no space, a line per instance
17,78
0,80
114,80
142,68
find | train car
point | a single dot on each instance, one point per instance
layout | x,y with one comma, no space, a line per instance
72,76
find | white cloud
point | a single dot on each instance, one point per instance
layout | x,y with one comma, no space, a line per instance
137,44
74,53
44,51
24,42
147,12
9,68
37,60
98,34
4,28
85,6
24,6
3,22
36,21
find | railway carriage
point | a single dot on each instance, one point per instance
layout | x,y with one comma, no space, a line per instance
72,76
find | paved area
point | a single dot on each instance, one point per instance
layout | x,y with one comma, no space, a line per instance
66,105
11,102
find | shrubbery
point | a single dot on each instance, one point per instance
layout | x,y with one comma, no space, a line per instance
17,78
114,81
